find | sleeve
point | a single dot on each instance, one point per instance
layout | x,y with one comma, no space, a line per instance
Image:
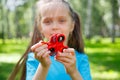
31,66
84,68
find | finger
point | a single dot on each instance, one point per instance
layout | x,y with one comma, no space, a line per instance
63,60
39,54
67,60
36,45
44,46
67,55
71,51
42,52
46,54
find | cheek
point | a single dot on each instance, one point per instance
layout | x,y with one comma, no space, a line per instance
68,29
45,32
66,32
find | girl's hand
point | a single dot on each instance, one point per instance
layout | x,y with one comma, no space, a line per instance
42,53
68,59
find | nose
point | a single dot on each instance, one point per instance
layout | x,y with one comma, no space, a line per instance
55,26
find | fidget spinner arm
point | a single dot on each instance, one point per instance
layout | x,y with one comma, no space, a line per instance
55,44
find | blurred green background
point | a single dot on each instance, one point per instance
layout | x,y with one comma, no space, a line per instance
100,20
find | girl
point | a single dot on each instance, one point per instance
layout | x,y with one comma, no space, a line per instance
54,16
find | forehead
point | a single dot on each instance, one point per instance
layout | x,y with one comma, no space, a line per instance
53,9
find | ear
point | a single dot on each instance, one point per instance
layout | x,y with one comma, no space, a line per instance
72,26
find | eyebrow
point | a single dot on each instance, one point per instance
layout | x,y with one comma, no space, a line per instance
53,17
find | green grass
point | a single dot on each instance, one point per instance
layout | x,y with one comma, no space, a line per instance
10,53
103,56
104,59
13,46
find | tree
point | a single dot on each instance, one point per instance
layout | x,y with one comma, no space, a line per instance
88,19
115,17
3,18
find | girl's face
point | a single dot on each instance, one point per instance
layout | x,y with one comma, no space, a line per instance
55,18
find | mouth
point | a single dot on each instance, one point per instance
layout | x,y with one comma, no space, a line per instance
54,33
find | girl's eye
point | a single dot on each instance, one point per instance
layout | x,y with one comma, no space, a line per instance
47,22
61,20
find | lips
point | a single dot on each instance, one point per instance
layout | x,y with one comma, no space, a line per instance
55,33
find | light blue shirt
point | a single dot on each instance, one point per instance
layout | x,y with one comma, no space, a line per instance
57,69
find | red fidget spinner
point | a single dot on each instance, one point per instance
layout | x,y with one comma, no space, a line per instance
55,43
